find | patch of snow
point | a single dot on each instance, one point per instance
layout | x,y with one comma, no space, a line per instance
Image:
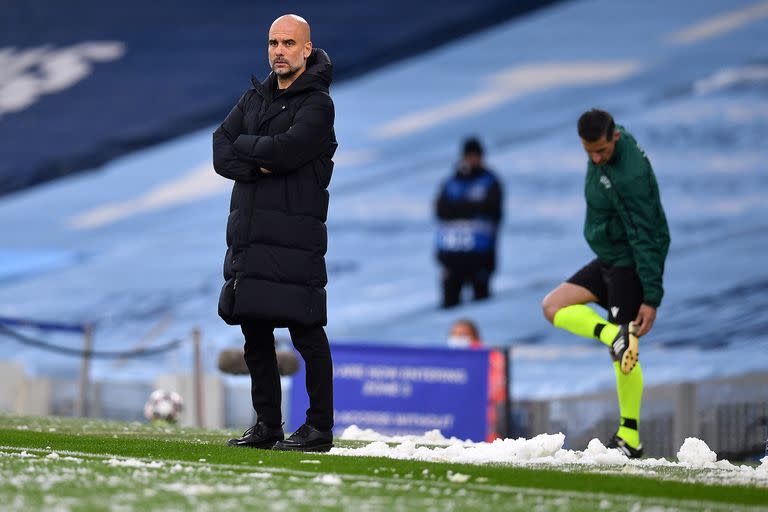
328,479
696,453
370,484
355,433
547,450
309,461
176,468
133,463
597,453
458,478
499,451
762,470
205,490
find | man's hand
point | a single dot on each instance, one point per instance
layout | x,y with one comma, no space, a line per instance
265,171
645,318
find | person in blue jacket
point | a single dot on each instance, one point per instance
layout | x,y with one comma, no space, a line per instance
469,213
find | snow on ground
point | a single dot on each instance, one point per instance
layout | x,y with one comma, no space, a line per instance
355,433
328,479
133,463
696,452
80,482
547,450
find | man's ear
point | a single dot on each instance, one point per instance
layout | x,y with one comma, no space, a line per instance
616,135
307,49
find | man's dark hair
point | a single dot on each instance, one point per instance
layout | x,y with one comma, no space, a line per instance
595,124
472,145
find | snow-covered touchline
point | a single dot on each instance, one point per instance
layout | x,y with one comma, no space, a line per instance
544,450
340,479
547,450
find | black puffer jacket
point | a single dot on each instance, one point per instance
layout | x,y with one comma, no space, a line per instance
276,237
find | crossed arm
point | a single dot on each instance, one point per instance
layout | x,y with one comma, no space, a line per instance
242,157
307,138
225,161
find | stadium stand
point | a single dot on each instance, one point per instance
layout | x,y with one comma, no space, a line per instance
86,82
143,237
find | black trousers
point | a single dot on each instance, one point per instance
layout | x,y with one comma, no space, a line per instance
312,344
618,289
454,279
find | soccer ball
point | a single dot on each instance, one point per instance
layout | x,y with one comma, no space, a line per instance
163,406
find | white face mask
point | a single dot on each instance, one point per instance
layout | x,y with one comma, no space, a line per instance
459,341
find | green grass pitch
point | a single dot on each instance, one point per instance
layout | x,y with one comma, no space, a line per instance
81,465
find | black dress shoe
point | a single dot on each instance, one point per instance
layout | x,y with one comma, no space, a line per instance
259,436
307,439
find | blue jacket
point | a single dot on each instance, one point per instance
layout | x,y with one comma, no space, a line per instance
469,212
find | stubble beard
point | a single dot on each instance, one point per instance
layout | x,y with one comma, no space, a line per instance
284,73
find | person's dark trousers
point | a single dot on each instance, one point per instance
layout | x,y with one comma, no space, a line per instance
261,360
312,344
455,278
453,281
481,283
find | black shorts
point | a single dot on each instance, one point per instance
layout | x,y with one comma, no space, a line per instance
617,289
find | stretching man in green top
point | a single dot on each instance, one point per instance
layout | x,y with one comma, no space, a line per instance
626,228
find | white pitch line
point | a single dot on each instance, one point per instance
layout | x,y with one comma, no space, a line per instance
508,85
720,24
199,183
679,504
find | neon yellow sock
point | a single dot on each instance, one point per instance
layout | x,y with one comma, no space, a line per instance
581,320
629,388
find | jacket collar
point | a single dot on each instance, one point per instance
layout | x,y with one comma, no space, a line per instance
473,173
318,76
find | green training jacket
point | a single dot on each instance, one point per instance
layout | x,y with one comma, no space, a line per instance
625,223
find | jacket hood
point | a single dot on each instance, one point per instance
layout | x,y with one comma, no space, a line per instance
318,75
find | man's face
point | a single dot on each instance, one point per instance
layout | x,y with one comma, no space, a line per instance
473,160
289,48
601,150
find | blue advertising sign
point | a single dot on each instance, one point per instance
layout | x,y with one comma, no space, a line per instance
404,390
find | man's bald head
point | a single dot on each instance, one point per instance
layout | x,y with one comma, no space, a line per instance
291,22
290,45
